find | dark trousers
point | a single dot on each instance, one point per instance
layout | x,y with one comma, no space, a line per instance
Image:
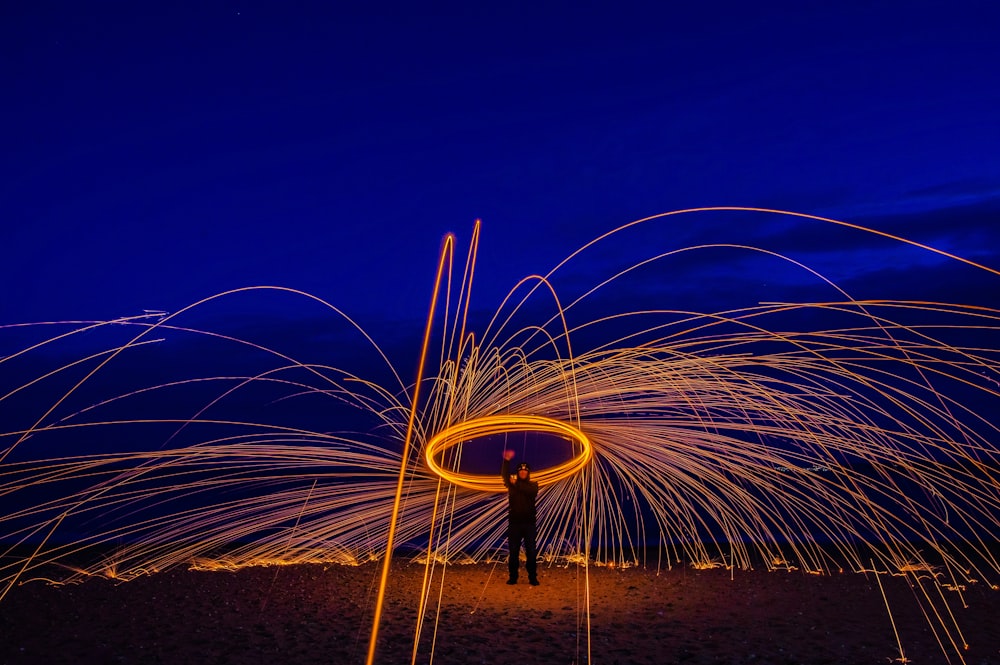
518,531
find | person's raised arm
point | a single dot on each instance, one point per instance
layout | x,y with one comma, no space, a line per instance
505,475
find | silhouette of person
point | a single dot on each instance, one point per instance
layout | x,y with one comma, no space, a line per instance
521,493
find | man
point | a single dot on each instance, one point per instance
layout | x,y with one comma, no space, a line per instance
521,493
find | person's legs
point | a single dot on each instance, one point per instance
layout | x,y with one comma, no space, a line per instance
513,549
530,553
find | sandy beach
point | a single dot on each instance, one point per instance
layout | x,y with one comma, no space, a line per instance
323,614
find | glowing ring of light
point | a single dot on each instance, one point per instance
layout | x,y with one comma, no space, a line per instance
481,427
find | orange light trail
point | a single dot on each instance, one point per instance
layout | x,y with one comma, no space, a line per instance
506,424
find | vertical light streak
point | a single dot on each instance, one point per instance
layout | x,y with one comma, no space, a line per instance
888,609
446,251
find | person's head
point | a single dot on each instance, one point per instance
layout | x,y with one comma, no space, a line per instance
523,470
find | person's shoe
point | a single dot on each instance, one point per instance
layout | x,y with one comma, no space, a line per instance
533,581
512,581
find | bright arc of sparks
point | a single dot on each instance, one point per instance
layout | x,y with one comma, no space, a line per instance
506,424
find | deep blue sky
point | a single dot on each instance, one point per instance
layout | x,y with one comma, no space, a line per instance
157,153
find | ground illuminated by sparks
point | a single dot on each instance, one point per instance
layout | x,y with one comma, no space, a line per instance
825,435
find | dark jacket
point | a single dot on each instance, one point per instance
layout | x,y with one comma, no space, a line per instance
520,495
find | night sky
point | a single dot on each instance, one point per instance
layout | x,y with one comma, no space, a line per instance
157,154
